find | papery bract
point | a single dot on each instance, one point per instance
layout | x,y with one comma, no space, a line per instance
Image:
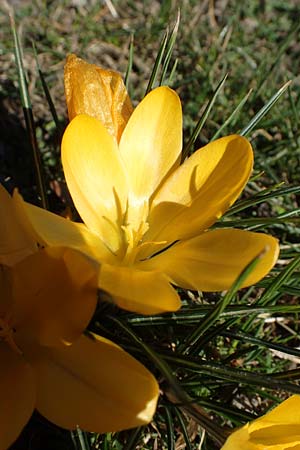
97,92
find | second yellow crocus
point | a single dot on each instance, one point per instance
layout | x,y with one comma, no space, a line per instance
47,298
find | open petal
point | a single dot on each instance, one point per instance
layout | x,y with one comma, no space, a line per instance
201,189
279,428
55,295
287,435
239,440
95,177
151,142
139,291
98,93
15,243
52,230
17,394
213,260
287,413
95,385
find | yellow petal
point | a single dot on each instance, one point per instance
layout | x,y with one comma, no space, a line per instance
213,260
284,436
15,243
139,291
201,189
277,430
287,412
98,93
95,385
95,177
5,289
17,394
239,440
151,142
281,425
55,295
52,230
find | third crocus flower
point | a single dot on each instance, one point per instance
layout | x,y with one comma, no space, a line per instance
279,429
146,217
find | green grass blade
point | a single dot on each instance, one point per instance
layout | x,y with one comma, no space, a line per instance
169,50
46,90
262,343
183,428
278,281
130,61
232,116
264,110
192,316
28,115
214,315
133,438
80,439
173,71
266,194
202,120
214,370
170,428
158,60
274,288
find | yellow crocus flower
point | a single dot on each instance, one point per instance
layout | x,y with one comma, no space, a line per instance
47,298
277,430
146,216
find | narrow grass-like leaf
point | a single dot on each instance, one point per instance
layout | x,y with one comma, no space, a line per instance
278,281
192,316
183,428
157,62
133,438
273,287
28,115
227,373
169,50
253,340
266,194
130,61
264,110
80,439
232,115
294,108
214,315
257,222
293,374
46,90
170,428
173,71
202,120
230,413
